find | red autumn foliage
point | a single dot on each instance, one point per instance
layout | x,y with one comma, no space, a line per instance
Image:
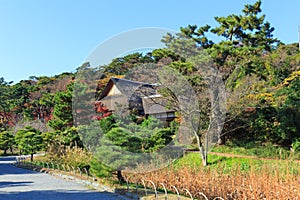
101,110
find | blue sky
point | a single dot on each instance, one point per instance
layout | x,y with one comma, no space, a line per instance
48,37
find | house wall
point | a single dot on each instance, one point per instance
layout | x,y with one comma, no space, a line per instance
114,91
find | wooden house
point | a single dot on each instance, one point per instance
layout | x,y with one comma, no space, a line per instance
124,96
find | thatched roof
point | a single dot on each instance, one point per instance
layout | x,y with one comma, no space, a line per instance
127,87
155,104
123,93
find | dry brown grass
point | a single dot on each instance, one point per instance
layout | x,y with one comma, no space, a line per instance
269,182
76,157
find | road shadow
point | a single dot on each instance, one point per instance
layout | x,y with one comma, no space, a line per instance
61,195
8,158
9,169
4,184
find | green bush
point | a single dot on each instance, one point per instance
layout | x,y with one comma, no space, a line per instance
296,146
99,170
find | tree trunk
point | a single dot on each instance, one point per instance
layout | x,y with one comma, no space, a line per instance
221,140
120,176
203,154
204,161
5,151
202,149
31,157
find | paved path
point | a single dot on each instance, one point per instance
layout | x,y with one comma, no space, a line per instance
22,184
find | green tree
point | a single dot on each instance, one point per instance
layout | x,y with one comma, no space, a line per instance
125,143
62,113
246,40
7,141
246,37
5,103
70,137
120,66
29,141
288,128
21,94
51,142
159,54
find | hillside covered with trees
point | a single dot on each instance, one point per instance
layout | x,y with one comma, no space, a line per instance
262,82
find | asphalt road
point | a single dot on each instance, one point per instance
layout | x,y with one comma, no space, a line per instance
22,184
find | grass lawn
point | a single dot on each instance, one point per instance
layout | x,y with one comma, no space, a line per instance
227,165
261,151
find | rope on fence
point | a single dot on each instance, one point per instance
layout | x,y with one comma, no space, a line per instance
86,171
145,187
79,170
137,186
218,198
178,195
63,166
203,195
154,187
127,183
74,171
166,193
188,192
